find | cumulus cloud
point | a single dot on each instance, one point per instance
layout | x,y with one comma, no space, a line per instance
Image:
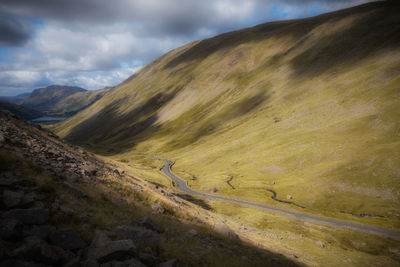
98,43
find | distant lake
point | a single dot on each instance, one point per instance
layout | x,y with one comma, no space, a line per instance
48,119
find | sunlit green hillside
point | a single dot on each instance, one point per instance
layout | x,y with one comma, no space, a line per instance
308,108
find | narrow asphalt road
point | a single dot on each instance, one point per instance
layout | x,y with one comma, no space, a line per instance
302,216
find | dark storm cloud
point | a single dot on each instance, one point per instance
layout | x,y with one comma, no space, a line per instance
181,17
174,16
97,43
12,31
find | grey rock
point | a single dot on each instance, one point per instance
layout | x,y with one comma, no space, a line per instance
2,138
127,263
320,244
157,208
41,252
85,217
19,263
100,239
150,224
141,236
89,263
148,259
112,250
192,232
73,263
9,180
119,171
29,216
66,239
39,231
12,198
169,263
11,229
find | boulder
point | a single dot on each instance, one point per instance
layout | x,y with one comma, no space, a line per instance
9,180
19,263
157,208
192,232
41,232
169,263
112,250
149,224
39,251
12,198
141,236
100,239
89,263
66,239
29,216
127,263
320,244
11,229
119,171
148,259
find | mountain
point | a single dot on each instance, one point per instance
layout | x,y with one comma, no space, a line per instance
58,100
15,99
296,106
20,111
75,102
302,111
63,206
47,97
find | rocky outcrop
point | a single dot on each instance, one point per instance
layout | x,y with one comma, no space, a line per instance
30,236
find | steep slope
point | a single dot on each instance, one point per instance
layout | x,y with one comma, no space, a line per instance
306,108
62,206
20,111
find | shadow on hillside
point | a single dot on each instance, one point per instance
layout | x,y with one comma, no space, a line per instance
104,125
139,124
376,30
198,201
214,123
108,210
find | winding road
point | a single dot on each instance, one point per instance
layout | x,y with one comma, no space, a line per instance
302,216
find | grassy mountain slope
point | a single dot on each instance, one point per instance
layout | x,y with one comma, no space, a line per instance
57,100
77,102
308,108
51,188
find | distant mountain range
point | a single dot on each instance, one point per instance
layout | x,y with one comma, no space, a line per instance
53,101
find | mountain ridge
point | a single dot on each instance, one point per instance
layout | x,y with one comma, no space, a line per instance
289,106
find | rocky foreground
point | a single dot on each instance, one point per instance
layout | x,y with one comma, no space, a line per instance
63,206
29,234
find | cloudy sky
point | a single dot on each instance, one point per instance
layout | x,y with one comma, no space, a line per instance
98,43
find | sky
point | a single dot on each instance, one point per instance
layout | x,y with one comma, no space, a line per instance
99,43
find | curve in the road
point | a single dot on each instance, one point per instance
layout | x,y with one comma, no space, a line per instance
302,216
